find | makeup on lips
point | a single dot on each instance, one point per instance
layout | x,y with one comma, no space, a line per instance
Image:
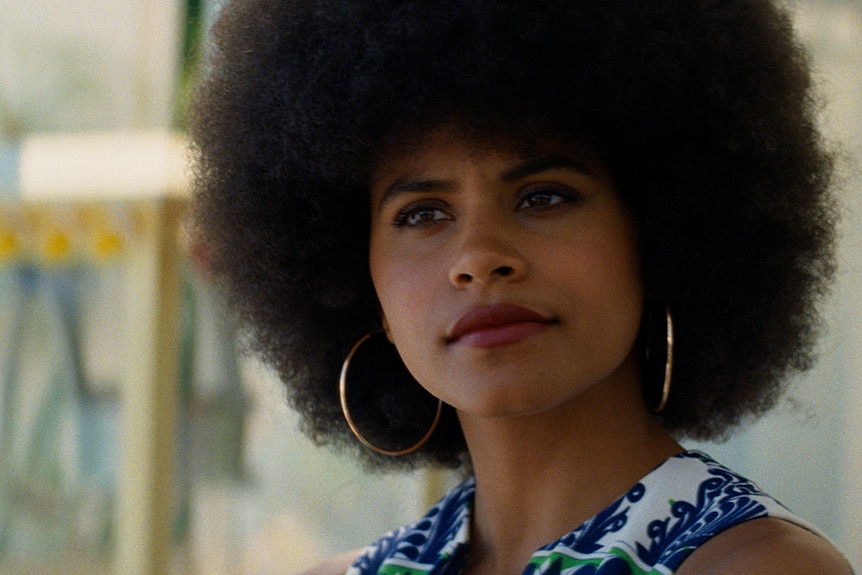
496,325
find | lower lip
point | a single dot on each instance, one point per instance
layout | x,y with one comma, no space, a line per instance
502,335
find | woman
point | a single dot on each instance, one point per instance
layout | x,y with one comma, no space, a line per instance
539,240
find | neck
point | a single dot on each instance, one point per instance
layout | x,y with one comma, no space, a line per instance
540,476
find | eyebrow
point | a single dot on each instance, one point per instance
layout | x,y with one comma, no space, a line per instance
546,163
408,185
529,167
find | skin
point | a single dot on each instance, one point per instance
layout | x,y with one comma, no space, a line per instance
551,409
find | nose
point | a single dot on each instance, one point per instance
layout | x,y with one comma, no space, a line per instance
485,256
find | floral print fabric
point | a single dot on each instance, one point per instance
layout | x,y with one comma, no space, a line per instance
650,530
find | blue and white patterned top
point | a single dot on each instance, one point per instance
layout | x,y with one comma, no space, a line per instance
648,531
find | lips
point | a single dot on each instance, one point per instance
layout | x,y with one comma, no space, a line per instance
499,324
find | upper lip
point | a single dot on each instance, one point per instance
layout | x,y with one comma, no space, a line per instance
489,316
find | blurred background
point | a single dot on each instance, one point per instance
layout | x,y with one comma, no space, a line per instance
134,439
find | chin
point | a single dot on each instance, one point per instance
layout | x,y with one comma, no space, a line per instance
508,403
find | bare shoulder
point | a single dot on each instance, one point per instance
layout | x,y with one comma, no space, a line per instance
766,547
337,565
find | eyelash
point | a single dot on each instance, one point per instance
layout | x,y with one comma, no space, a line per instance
403,216
567,196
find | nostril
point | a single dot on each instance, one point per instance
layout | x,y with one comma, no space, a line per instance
463,278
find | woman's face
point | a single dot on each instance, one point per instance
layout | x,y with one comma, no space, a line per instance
509,282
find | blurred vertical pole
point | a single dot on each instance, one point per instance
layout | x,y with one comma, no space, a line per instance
156,65
145,508
145,503
190,57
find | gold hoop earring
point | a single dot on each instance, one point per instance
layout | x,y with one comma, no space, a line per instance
342,395
668,364
653,335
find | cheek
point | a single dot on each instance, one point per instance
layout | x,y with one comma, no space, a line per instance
400,290
610,277
618,246
623,272
405,301
623,283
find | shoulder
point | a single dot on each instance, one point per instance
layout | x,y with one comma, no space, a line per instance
766,546
337,565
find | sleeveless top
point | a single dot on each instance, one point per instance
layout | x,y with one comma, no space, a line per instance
650,530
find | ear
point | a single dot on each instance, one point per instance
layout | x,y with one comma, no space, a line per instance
386,329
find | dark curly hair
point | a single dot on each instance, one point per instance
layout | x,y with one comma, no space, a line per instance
702,109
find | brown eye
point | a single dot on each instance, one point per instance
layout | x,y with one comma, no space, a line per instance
419,216
543,198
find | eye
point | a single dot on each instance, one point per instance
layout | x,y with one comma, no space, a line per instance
546,198
417,216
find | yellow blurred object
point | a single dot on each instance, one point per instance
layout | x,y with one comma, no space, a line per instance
57,246
107,245
57,233
8,245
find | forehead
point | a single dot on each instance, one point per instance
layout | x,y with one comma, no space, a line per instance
415,150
